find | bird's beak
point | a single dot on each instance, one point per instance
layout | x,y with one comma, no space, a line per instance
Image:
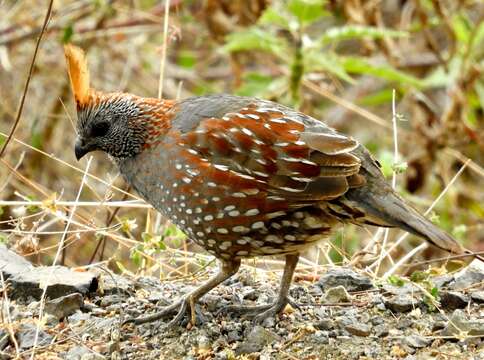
80,149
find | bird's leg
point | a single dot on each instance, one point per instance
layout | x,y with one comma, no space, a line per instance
263,312
180,307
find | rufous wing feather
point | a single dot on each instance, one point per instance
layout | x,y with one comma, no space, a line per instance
78,73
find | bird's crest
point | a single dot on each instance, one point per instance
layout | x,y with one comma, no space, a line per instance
78,73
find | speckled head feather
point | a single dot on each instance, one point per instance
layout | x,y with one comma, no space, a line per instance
78,74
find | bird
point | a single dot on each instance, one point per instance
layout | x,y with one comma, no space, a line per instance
241,177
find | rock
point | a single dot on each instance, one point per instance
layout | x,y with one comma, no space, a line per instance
26,336
77,353
62,281
78,316
442,281
452,300
115,284
257,339
337,294
417,341
478,296
345,277
381,330
109,300
471,275
358,329
26,280
64,305
324,324
402,303
11,263
438,325
459,324
407,289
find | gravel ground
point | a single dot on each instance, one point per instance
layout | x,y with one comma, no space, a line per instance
341,316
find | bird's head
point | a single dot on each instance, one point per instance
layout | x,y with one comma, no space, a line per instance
119,124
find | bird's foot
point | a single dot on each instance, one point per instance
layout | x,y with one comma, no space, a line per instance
179,309
260,312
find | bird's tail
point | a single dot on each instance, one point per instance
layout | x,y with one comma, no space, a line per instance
384,207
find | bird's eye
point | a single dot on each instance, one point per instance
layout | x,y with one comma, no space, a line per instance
99,129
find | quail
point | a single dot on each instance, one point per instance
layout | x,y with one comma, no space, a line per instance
242,177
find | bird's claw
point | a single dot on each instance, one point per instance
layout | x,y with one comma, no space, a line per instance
260,312
180,308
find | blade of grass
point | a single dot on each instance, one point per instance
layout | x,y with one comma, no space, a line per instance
27,82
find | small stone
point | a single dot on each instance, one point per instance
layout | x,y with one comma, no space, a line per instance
11,263
324,324
233,336
380,306
417,341
337,294
26,336
257,339
452,300
478,296
77,353
345,277
78,316
407,289
402,303
321,337
438,325
442,281
381,330
358,329
269,322
377,320
404,323
64,305
469,276
115,299
249,293
458,325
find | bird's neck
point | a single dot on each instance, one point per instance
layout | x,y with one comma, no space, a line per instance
155,118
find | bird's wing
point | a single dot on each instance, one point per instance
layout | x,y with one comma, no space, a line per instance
283,152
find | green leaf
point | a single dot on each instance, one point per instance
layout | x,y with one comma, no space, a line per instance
258,85
307,11
396,280
67,34
479,87
459,231
385,158
255,39
419,276
462,28
377,98
400,167
136,255
186,59
146,237
359,65
271,16
328,62
348,32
